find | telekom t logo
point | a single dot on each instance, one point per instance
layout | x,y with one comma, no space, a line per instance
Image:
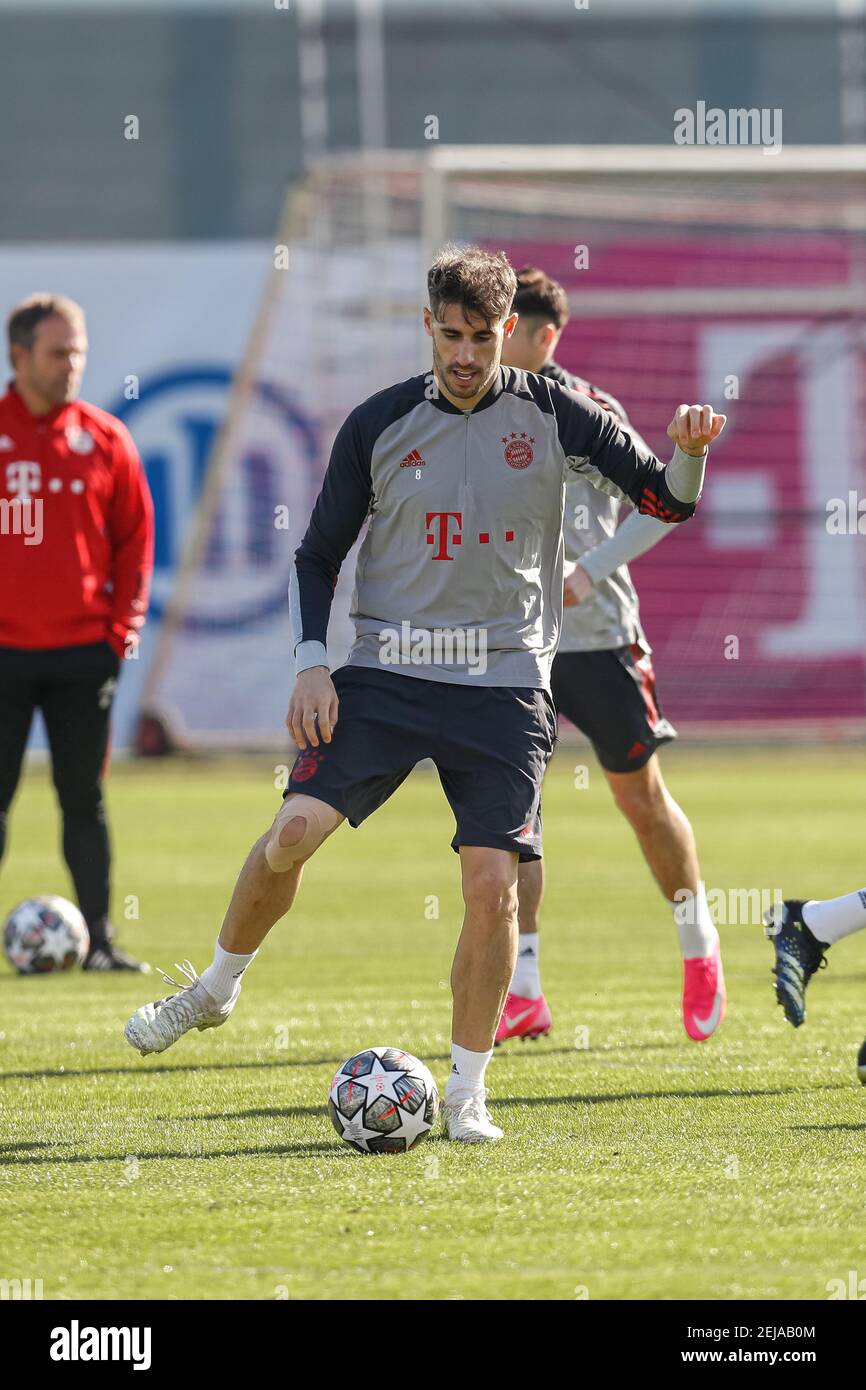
443,518
457,537
23,479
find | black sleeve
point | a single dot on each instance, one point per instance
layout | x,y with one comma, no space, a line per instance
615,407
597,449
606,401
340,511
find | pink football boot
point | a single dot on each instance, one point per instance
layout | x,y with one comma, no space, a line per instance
523,1018
703,995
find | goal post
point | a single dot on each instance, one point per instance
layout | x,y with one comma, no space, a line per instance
713,273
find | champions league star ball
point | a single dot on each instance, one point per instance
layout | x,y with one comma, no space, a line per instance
383,1101
44,934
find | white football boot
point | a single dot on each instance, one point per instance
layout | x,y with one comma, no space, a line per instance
469,1121
154,1027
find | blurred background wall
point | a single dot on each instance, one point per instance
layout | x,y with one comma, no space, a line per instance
216,89
170,241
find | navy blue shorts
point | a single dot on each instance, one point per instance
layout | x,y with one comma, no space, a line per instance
490,745
611,697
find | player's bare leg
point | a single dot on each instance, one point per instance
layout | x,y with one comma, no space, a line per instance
264,892
265,889
526,1013
668,843
483,965
666,837
663,830
530,895
484,959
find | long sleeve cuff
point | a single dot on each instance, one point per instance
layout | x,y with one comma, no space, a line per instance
309,654
637,534
684,475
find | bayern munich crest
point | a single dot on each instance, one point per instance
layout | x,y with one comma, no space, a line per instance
79,440
307,764
518,450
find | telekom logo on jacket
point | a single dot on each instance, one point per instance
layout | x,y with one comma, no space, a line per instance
443,533
23,478
456,537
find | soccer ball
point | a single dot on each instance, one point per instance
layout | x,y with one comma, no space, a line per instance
45,934
383,1100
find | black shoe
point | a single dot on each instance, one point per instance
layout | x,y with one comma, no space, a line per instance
861,1064
110,957
798,955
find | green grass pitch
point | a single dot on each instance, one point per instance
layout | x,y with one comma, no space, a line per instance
636,1163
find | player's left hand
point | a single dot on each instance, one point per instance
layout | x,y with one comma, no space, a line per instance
694,427
576,587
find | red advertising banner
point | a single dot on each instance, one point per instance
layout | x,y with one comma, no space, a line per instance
756,609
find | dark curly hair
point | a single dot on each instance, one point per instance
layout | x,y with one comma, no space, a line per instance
481,282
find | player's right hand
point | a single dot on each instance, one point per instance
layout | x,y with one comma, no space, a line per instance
694,427
576,587
314,701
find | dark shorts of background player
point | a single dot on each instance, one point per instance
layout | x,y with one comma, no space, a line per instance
611,697
490,745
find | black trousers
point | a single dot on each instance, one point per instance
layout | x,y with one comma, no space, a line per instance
74,688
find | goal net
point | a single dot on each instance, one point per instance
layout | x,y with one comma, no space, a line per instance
710,274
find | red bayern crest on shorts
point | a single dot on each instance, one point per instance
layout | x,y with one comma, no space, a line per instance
518,453
307,765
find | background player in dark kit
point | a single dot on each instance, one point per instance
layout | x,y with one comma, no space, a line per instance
603,681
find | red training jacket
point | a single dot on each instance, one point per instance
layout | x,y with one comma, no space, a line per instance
75,564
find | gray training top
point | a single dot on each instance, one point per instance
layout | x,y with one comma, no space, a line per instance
463,555
609,616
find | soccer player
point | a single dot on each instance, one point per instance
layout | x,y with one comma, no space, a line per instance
457,606
603,681
802,931
76,553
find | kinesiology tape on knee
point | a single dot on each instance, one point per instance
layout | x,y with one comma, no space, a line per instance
319,820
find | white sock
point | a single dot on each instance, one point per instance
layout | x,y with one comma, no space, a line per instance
837,917
467,1074
526,980
695,927
220,979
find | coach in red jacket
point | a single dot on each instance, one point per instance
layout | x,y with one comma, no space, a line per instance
76,553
